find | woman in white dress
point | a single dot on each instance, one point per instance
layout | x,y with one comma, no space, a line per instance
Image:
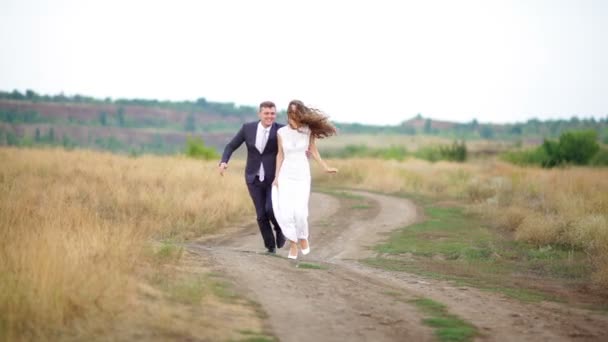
291,186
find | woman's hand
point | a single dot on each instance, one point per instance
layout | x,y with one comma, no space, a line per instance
275,182
331,170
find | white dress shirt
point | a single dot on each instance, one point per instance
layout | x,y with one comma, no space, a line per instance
261,138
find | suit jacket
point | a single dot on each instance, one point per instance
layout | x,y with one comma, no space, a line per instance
268,157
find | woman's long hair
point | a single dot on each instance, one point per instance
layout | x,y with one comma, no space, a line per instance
316,120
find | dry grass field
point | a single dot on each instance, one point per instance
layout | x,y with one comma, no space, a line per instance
567,207
80,234
411,143
86,237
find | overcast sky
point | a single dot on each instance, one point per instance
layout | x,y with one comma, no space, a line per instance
373,61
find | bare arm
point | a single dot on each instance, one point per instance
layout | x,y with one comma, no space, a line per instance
314,152
280,157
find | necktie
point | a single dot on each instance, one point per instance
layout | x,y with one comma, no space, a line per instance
264,141
265,138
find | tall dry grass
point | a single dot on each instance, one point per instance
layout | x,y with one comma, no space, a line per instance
558,206
73,226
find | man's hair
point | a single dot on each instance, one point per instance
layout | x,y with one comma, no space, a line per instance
267,104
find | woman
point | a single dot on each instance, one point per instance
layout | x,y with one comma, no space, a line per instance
291,186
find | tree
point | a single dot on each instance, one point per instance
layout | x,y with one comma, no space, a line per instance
202,102
103,118
120,114
516,130
51,135
409,130
427,126
190,125
16,95
473,125
195,148
12,139
66,142
31,95
486,132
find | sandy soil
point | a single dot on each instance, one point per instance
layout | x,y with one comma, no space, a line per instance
348,301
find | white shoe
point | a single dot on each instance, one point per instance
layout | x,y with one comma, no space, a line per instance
307,250
289,256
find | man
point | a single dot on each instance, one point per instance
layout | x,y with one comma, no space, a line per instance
260,137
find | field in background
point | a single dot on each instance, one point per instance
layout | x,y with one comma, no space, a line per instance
564,208
413,143
85,235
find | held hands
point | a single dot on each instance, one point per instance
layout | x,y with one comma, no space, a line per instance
222,168
275,182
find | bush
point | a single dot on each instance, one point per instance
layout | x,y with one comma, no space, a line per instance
600,158
575,147
456,152
537,156
393,152
430,153
195,148
578,147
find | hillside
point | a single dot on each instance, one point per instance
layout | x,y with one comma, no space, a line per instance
150,126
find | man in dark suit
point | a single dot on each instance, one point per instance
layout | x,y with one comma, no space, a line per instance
260,137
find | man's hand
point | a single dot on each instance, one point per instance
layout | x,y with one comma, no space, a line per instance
222,168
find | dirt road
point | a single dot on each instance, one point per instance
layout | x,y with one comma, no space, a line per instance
329,296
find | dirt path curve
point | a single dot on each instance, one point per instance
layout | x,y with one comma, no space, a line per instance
348,301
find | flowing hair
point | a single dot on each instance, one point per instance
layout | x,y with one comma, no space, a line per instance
316,120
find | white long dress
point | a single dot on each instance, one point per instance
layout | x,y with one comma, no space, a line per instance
290,197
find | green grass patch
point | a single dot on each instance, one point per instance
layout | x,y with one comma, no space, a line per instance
360,206
308,265
187,291
222,289
448,327
253,336
446,232
454,245
165,252
484,283
192,288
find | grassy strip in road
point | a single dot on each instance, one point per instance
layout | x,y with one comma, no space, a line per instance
448,327
311,266
451,244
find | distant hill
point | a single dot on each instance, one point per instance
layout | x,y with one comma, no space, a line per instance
151,126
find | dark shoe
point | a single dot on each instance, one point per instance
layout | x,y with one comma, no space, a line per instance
280,240
271,250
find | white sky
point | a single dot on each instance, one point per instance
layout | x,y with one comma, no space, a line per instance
374,61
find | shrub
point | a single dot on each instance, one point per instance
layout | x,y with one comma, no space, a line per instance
537,156
195,148
456,152
430,153
600,158
578,147
575,147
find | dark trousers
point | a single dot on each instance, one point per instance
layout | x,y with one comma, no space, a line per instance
260,193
